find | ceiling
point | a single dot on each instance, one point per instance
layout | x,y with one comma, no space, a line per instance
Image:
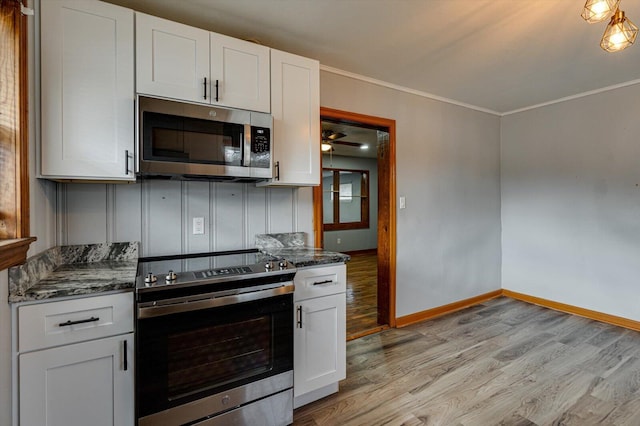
494,55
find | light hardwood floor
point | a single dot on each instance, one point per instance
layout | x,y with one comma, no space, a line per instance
362,294
503,362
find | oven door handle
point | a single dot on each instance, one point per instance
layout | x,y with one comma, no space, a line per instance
150,310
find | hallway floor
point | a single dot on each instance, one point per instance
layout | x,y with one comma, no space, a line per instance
362,294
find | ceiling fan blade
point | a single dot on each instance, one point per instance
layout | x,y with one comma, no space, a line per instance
347,143
337,135
330,135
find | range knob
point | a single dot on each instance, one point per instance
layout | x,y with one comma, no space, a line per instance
171,276
150,278
283,264
268,265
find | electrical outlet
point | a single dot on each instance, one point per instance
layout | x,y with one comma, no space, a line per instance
338,241
198,225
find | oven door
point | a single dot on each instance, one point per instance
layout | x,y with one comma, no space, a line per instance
189,356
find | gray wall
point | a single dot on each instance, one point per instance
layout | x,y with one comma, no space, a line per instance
448,168
571,202
356,239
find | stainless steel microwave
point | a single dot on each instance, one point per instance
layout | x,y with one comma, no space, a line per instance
179,140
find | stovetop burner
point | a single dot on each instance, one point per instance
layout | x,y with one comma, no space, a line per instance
217,271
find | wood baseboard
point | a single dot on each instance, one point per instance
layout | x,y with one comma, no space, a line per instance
545,303
575,310
445,309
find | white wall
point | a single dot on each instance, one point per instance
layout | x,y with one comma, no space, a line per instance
160,214
571,202
448,168
355,239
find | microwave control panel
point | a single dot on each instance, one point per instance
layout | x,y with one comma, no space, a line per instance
260,139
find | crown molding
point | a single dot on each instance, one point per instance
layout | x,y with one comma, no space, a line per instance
405,89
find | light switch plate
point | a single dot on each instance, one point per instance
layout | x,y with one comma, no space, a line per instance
403,203
198,225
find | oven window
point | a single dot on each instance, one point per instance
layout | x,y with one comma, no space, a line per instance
214,355
191,140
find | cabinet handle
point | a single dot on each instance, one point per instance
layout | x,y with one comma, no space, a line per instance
126,162
205,87
125,365
277,170
65,324
299,317
217,91
323,282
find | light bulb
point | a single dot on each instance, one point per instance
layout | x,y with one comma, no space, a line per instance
599,10
619,34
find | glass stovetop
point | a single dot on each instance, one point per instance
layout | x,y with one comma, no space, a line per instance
196,268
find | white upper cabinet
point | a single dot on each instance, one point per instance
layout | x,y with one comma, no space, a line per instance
295,106
241,71
172,59
186,63
87,91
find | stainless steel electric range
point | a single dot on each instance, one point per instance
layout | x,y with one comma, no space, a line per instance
214,339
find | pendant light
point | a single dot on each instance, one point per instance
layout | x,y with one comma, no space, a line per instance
619,34
599,10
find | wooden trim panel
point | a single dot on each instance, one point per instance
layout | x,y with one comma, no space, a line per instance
575,310
14,252
446,309
14,140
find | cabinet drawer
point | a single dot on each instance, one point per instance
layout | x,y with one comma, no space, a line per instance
320,281
50,324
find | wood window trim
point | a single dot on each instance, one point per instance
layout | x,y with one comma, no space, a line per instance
14,140
364,202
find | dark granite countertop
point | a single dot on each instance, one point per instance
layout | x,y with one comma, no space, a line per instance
75,271
307,256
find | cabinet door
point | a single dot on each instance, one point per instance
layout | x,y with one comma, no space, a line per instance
319,343
295,106
241,69
77,385
172,59
87,90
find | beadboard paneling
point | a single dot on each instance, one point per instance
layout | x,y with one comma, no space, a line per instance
160,214
85,214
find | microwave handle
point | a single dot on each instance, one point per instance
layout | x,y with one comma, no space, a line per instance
246,151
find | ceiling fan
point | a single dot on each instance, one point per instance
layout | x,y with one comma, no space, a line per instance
330,137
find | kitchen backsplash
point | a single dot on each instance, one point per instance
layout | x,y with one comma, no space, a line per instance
160,214
289,239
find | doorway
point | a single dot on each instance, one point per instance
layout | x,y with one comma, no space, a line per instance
374,265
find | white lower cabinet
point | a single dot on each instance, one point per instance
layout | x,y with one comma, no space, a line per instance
320,332
88,383
81,370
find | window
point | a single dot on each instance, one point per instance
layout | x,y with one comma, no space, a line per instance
348,206
14,179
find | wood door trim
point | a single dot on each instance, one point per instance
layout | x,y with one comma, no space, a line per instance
389,245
